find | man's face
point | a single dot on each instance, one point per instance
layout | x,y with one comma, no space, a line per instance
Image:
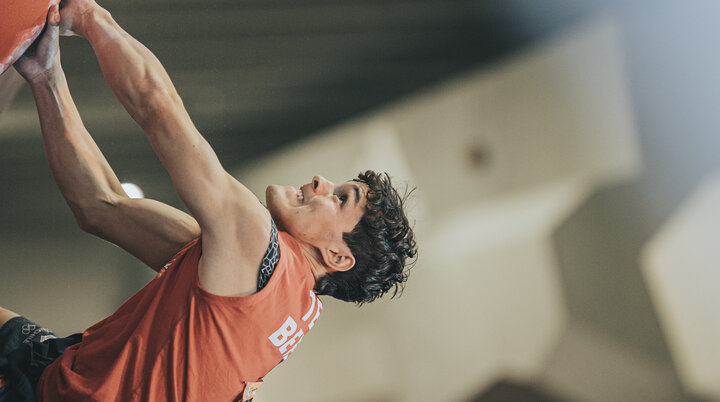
319,212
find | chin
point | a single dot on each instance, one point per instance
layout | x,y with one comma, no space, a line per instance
270,192
274,200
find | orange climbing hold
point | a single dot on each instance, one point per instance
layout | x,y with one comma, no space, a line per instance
22,22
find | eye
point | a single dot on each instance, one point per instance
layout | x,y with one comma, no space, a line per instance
343,199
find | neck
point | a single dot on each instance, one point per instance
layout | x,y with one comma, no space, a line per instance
316,264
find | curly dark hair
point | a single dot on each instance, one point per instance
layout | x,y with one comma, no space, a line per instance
382,243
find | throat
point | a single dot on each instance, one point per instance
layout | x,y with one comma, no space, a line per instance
315,259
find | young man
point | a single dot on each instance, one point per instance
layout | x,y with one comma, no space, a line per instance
237,283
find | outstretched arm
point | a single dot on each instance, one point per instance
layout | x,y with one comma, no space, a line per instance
235,226
148,229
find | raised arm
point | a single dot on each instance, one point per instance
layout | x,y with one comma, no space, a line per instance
235,226
148,229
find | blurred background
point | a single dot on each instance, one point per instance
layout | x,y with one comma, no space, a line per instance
565,155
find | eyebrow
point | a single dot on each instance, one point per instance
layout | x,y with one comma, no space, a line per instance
357,193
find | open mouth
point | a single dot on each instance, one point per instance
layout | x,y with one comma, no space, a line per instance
300,197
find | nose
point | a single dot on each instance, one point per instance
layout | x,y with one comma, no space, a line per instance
322,185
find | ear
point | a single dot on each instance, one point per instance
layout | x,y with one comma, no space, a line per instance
338,258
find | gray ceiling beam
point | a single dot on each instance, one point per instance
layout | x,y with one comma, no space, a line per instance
198,54
293,19
245,92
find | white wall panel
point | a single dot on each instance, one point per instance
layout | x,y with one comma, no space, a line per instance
500,157
681,264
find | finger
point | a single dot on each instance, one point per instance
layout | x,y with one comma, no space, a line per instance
53,17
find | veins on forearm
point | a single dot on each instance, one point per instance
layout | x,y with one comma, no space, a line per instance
49,101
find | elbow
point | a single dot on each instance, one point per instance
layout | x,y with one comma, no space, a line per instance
93,216
85,222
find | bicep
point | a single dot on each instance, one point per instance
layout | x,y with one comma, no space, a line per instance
149,230
200,180
235,225
218,201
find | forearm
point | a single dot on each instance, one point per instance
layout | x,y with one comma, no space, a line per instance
147,229
144,88
134,74
80,170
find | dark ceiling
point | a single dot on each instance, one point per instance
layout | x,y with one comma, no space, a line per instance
260,74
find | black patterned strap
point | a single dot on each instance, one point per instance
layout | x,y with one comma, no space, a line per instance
270,260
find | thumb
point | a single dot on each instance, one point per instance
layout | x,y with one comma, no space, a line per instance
49,38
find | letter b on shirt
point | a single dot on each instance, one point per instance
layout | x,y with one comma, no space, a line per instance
284,333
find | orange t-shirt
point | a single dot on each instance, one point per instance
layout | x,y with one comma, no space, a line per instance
174,341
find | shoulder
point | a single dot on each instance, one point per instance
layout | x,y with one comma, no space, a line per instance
232,257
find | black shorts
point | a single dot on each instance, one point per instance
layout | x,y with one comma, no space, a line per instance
25,350
18,331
